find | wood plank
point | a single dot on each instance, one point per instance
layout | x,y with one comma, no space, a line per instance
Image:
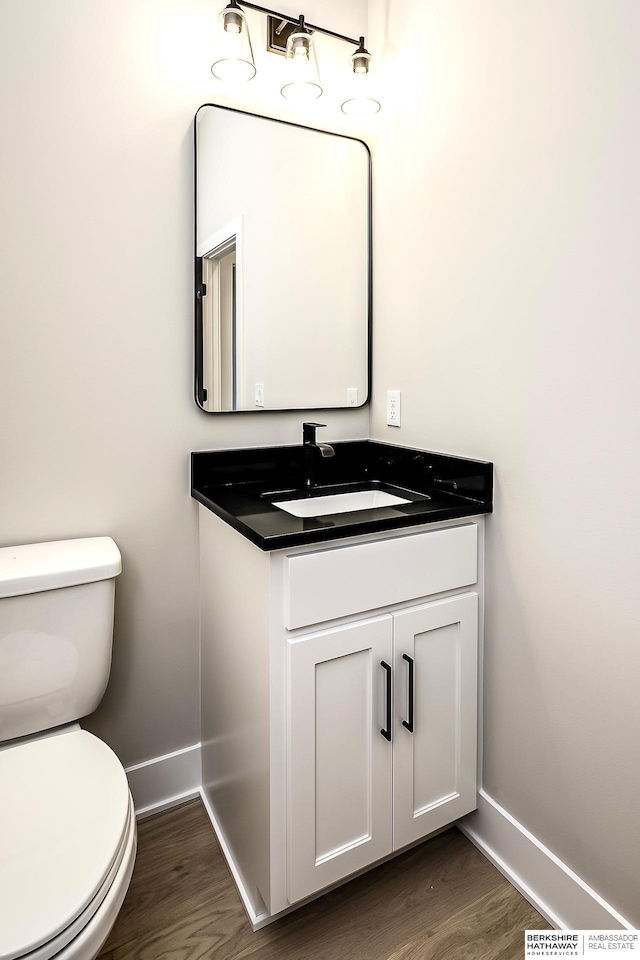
442,899
487,929
179,865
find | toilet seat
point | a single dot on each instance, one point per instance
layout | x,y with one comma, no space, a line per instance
84,938
67,845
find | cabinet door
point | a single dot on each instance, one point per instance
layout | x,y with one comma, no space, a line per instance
340,765
434,765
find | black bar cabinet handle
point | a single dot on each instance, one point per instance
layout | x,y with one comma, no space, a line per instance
387,733
409,723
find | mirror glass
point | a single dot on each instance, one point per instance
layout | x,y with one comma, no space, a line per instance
283,265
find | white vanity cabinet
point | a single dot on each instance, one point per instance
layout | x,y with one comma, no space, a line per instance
339,700
369,771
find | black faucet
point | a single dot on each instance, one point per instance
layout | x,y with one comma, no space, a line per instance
310,445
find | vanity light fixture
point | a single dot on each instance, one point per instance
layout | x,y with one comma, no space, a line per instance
234,57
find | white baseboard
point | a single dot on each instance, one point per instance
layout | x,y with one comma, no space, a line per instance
256,920
549,885
559,894
165,781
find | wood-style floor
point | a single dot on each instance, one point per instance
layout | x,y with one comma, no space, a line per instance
440,901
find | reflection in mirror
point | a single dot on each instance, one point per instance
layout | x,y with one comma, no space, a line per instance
283,265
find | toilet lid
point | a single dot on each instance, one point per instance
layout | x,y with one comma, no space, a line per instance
63,814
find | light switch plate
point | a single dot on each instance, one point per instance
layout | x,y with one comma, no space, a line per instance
259,396
393,408
352,396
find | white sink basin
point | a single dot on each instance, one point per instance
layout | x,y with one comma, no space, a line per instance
339,503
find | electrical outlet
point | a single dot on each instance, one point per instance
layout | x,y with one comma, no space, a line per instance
393,408
259,395
352,396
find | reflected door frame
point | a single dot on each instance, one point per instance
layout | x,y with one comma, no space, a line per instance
222,317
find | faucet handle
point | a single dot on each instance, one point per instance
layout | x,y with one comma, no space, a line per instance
309,432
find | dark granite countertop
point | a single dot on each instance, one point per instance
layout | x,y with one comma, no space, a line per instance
239,486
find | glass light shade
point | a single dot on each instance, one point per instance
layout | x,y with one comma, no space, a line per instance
360,106
362,102
302,80
233,57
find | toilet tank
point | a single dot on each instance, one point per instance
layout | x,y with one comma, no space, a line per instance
56,631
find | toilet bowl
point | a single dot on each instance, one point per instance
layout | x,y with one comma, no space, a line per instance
67,825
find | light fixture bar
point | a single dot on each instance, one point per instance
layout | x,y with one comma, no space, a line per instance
234,56
290,19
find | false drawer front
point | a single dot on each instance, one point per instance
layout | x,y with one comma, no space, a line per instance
326,584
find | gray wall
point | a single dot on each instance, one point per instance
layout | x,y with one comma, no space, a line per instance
96,417
507,200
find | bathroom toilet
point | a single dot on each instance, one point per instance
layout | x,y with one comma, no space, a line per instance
67,825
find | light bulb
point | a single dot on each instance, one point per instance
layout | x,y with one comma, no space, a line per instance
232,18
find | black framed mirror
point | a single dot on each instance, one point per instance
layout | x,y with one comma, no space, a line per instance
282,265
